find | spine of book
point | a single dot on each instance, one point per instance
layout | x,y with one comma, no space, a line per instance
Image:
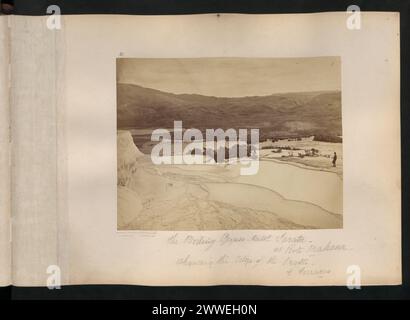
37,164
5,142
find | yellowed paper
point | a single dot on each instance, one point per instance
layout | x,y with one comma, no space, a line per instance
370,237
36,164
5,244
94,251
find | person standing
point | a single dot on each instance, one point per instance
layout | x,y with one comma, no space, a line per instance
334,159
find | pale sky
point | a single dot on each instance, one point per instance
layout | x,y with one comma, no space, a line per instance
232,77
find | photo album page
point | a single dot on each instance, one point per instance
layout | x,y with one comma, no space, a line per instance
201,150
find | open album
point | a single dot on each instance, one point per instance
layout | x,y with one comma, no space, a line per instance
200,150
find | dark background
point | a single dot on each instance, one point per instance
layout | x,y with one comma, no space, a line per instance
39,7
157,7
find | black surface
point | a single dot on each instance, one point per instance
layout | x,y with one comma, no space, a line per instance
201,6
211,293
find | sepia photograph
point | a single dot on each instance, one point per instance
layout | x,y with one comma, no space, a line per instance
229,144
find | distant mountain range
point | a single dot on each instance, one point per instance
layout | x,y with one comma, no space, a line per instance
277,115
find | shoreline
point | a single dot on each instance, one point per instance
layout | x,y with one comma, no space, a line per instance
304,166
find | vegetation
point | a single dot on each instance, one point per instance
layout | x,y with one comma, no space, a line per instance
327,138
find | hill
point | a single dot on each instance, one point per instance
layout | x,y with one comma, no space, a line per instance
276,115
